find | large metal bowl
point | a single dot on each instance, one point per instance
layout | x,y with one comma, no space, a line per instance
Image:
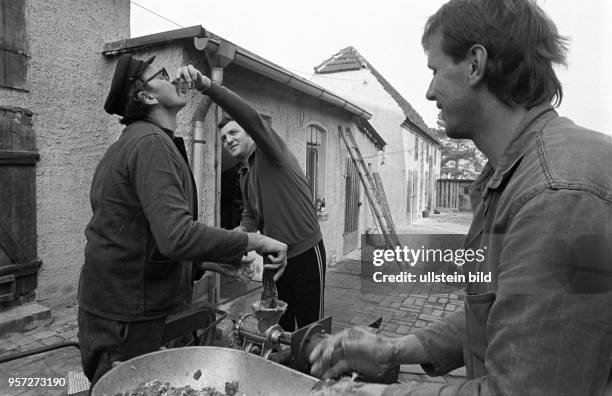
256,375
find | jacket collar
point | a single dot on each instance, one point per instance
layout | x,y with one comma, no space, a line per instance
167,131
521,140
178,141
248,160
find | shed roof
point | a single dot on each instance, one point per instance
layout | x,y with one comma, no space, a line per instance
246,59
349,59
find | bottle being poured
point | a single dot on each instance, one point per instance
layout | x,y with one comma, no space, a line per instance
182,86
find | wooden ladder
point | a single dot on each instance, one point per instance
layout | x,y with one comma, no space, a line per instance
374,190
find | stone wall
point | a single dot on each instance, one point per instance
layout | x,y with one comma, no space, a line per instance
68,82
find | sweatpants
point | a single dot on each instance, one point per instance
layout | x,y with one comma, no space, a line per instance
302,287
103,341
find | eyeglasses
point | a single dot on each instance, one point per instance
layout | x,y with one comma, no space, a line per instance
162,74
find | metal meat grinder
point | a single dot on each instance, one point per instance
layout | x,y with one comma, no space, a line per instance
259,332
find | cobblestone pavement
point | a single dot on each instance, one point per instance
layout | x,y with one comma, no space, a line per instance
402,312
52,367
402,309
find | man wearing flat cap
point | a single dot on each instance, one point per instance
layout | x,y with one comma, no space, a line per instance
144,234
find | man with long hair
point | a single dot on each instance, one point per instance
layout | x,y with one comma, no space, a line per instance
542,211
144,240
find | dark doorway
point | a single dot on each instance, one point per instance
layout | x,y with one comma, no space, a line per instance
351,207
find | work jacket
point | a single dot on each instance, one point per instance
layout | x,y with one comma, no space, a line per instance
143,235
543,325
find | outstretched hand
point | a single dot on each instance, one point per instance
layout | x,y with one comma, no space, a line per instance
275,253
354,349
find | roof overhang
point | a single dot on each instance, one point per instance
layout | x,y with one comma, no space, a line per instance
242,58
411,126
367,129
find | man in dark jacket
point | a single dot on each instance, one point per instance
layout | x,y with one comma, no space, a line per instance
277,200
144,234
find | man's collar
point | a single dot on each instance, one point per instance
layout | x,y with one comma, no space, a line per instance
168,131
248,159
522,138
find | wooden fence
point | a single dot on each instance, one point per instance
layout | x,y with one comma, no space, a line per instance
453,194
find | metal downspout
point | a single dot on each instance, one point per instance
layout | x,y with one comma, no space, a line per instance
198,141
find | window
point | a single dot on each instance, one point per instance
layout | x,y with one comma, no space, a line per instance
315,164
13,45
416,148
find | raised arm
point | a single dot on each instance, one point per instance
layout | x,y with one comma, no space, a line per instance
268,141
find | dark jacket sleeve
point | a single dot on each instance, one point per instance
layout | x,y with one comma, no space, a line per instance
155,171
265,138
443,342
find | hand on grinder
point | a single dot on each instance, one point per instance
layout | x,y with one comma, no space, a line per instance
354,349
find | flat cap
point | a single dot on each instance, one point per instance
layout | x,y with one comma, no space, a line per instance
128,68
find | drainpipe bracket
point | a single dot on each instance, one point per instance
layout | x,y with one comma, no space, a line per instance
200,43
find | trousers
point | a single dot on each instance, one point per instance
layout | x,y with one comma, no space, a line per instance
302,287
103,341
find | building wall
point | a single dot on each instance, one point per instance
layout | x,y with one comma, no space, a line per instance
424,165
68,82
361,87
397,162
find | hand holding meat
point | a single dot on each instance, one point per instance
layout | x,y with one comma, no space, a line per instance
273,250
244,272
355,349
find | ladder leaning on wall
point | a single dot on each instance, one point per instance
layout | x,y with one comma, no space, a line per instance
374,190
